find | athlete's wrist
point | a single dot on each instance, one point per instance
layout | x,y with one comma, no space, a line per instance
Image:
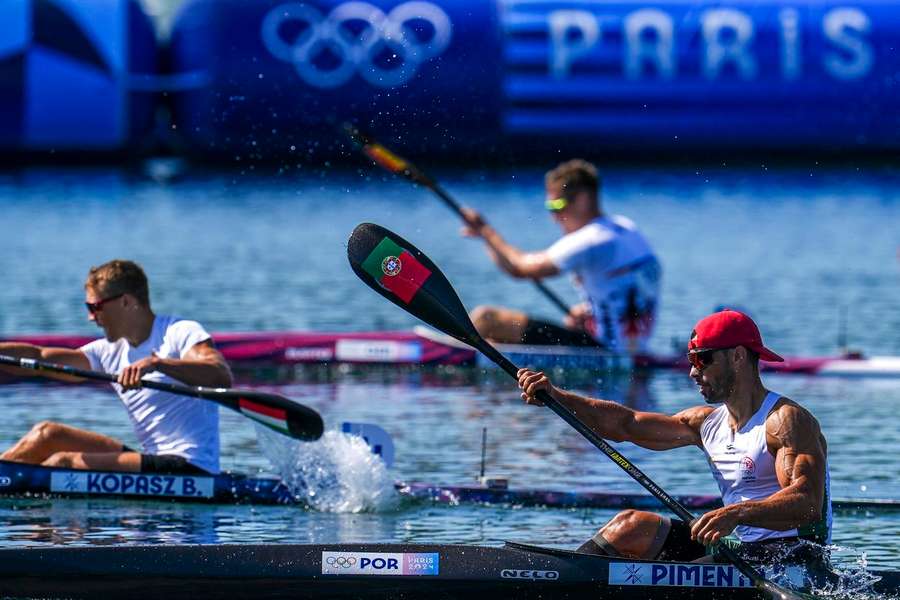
158,363
739,512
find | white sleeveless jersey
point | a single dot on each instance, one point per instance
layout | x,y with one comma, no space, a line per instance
164,423
618,274
745,470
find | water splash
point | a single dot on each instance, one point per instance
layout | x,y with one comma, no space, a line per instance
846,576
852,578
337,473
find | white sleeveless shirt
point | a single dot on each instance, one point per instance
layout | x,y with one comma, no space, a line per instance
745,470
164,423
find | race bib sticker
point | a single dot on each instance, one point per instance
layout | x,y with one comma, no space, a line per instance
378,563
131,484
677,575
387,351
694,575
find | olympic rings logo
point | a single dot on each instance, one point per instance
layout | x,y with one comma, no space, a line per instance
343,562
356,49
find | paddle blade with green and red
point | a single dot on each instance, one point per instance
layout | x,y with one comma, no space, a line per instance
400,272
272,410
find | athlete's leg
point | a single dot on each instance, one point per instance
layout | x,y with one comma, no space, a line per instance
47,438
100,461
631,533
498,324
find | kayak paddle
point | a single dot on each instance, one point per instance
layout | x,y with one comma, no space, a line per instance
404,275
276,412
399,166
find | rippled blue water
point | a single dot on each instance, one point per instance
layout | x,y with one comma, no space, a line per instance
796,247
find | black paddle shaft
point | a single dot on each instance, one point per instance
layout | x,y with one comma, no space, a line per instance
604,446
302,422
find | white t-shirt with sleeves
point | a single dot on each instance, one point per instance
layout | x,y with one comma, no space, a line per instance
164,423
618,273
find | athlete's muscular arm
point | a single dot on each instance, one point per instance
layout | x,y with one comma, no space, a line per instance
63,356
618,423
201,365
794,438
524,265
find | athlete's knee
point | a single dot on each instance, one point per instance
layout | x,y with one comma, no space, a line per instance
484,317
483,314
43,432
628,520
628,524
632,532
616,534
61,459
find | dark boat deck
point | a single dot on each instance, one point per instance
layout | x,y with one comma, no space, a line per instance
358,571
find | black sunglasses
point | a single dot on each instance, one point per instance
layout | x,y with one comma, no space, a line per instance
700,359
95,307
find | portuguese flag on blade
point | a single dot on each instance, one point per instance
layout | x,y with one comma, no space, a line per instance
276,418
396,269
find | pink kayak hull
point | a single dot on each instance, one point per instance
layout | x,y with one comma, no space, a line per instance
410,348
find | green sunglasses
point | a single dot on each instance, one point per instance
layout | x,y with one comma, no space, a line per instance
556,204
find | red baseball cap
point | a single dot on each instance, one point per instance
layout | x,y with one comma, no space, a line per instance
727,329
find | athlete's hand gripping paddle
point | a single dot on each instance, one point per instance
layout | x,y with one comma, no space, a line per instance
404,275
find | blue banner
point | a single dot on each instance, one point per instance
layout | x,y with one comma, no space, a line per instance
682,73
65,67
445,77
283,75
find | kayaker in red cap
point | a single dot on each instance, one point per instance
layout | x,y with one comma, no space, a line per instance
766,452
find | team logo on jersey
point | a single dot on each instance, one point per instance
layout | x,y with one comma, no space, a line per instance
748,468
391,266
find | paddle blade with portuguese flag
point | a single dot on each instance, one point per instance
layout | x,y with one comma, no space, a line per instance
400,272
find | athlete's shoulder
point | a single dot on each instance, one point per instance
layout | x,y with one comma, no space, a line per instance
788,419
181,332
623,221
786,407
695,416
166,322
598,231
